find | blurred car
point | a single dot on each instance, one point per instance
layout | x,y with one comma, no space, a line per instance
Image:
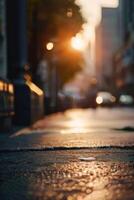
126,100
105,99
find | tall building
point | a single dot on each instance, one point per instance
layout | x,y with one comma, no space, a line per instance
124,58
109,37
6,88
128,15
3,66
20,98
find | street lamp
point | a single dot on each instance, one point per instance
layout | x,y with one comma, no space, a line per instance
53,75
49,46
56,53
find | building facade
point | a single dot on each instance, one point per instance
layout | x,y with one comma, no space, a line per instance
20,99
124,57
3,65
128,14
6,87
109,37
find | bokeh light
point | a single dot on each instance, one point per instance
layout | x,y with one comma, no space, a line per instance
49,46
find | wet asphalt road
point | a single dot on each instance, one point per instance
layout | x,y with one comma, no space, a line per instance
79,154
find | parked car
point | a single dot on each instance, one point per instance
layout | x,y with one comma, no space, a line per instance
126,100
104,98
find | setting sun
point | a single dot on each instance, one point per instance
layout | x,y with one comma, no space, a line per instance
77,43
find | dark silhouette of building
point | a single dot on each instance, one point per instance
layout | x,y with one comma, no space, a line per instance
21,97
6,87
124,57
109,37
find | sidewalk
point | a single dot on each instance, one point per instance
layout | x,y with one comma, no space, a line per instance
75,128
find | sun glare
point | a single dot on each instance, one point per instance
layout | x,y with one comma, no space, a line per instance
111,4
77,43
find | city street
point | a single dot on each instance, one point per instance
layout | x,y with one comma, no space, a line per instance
66,100
79,154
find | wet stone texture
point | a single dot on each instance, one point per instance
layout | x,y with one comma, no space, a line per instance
61,175
76,155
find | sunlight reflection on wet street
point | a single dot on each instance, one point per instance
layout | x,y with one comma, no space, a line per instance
76,123
80,128
76,155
